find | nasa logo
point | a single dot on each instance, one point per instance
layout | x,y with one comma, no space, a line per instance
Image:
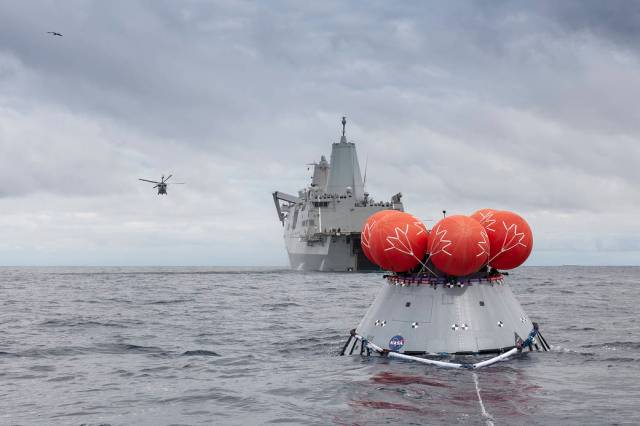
396,343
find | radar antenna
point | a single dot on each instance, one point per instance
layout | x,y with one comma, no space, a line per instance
366,164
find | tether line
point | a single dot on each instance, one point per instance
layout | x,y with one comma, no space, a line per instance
488,417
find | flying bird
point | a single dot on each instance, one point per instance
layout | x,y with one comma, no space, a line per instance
54,33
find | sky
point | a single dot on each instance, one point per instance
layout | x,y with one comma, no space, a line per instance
525,106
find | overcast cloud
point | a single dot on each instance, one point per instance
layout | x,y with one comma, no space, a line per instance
459,105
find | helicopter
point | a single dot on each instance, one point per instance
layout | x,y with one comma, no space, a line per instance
162,185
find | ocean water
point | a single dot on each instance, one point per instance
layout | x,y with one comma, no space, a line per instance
163,346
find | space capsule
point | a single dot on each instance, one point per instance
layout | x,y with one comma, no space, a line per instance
445,294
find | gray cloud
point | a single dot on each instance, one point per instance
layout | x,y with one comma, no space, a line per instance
460,106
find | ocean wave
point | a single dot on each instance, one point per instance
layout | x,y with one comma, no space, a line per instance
169,302
200,352
82,323
613,346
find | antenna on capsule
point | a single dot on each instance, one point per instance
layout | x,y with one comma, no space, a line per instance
344,123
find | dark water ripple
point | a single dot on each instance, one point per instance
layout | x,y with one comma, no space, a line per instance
156,346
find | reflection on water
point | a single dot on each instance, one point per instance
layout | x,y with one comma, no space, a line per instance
404,393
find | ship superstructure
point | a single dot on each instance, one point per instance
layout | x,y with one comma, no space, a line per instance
322,224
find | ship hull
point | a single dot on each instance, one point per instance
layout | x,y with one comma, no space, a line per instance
329,254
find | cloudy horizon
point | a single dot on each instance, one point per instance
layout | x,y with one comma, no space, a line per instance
507,105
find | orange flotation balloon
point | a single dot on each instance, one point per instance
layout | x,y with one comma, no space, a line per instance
485,217
367,229
459,245
399,242
511,240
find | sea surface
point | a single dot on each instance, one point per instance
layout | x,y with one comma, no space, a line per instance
188,346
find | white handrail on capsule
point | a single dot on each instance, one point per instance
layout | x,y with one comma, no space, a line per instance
444,364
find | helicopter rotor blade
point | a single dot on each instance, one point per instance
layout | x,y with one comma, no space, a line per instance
167,178
177,183
147,180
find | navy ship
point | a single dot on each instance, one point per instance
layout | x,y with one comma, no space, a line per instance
322,224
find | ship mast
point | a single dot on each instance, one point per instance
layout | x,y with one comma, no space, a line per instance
343,139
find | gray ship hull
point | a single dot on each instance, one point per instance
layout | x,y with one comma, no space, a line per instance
425,319
328,254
